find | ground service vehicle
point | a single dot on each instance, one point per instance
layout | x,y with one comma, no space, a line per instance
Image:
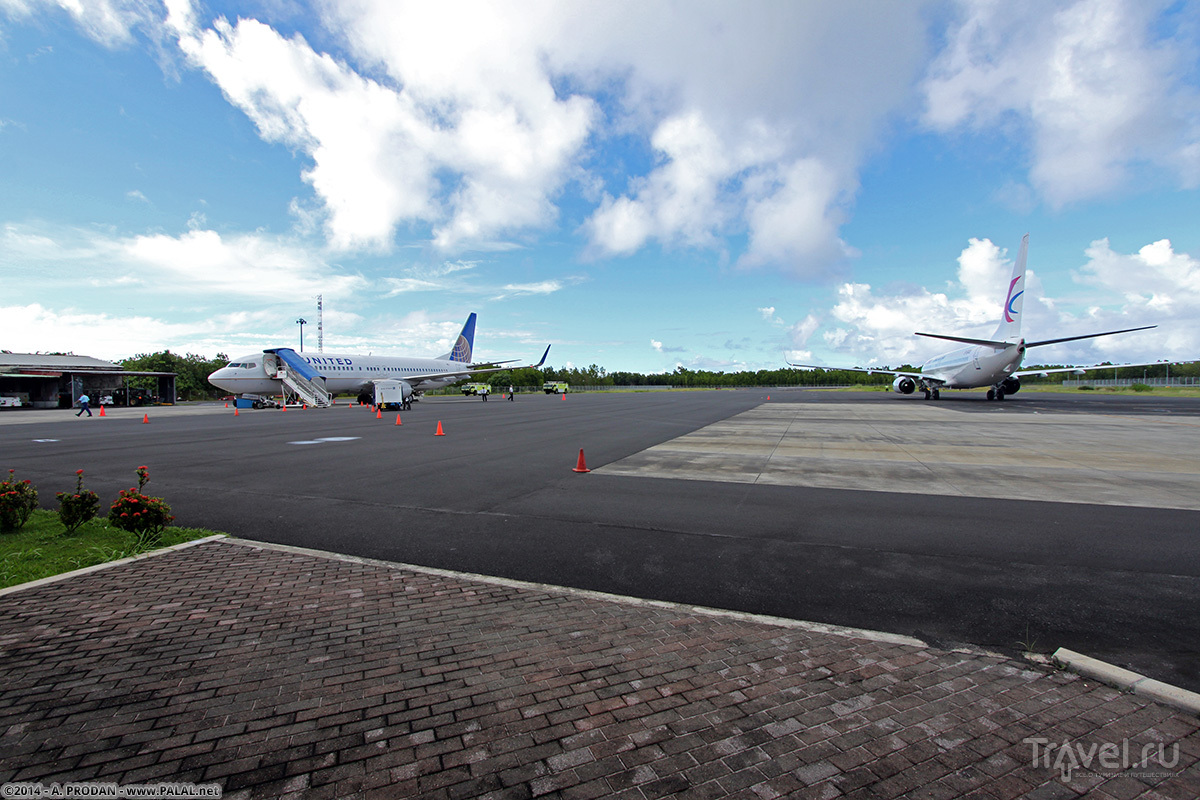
476,388
555,387
392,394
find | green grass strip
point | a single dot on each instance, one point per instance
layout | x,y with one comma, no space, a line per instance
43,547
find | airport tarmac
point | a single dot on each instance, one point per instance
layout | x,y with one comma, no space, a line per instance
933,448
1071,523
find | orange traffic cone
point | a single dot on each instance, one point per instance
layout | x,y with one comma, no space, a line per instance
227,405
235,411
145,419
439,430
397,419
378,413
284,406
306,406
102,412
582,465
564,395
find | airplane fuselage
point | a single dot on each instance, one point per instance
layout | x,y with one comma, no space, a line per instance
974,367
258,373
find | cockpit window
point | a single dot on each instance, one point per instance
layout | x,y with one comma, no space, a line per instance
233,366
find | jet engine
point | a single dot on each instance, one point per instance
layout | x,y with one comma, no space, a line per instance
903,385
1011,385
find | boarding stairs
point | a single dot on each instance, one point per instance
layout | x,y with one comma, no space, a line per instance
300,378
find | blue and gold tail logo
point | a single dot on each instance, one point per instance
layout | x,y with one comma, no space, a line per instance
462,350
466,341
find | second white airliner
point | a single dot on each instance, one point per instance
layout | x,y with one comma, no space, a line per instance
995,362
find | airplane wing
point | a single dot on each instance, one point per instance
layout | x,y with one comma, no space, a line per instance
931,379
416,380
1081,370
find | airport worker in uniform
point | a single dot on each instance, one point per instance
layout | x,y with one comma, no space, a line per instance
510,394
83,405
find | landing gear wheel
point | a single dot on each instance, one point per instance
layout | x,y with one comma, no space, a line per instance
991,394
937,395
999,394
928,394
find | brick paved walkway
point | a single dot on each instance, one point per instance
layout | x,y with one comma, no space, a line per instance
277,674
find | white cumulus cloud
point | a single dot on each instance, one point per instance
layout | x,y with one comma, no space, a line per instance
1095,82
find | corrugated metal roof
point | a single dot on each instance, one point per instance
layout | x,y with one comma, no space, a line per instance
11,361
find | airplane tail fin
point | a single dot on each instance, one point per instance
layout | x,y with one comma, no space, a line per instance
1009,328
465,344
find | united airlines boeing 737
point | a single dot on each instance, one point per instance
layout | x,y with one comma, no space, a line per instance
316,377
994,362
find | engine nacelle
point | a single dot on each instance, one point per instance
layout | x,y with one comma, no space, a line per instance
1011,385
904,385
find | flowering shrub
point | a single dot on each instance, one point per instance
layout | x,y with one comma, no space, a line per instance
76,509
18,499
135,512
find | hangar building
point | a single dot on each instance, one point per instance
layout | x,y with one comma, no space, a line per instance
56,381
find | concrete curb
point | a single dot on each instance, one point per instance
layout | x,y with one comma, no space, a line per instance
782,622
1128,681
62,576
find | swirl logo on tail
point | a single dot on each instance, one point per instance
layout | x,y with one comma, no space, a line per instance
1009,311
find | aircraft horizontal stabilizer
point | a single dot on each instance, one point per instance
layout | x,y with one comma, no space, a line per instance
1087,336
965,340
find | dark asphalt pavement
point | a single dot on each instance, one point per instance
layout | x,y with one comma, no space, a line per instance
496,495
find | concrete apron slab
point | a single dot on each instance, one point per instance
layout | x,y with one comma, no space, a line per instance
1146,461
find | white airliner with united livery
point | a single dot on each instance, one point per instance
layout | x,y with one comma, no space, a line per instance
994,363
316,377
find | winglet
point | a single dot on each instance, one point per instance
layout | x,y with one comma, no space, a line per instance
543,361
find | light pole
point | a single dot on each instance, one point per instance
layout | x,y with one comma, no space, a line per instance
301,322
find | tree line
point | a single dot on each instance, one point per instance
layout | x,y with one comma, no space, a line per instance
192,373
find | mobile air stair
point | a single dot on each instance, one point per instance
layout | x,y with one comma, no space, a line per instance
298,376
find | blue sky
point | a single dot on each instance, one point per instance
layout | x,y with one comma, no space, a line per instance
642,185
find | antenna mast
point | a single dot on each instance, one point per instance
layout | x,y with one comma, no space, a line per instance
320,327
